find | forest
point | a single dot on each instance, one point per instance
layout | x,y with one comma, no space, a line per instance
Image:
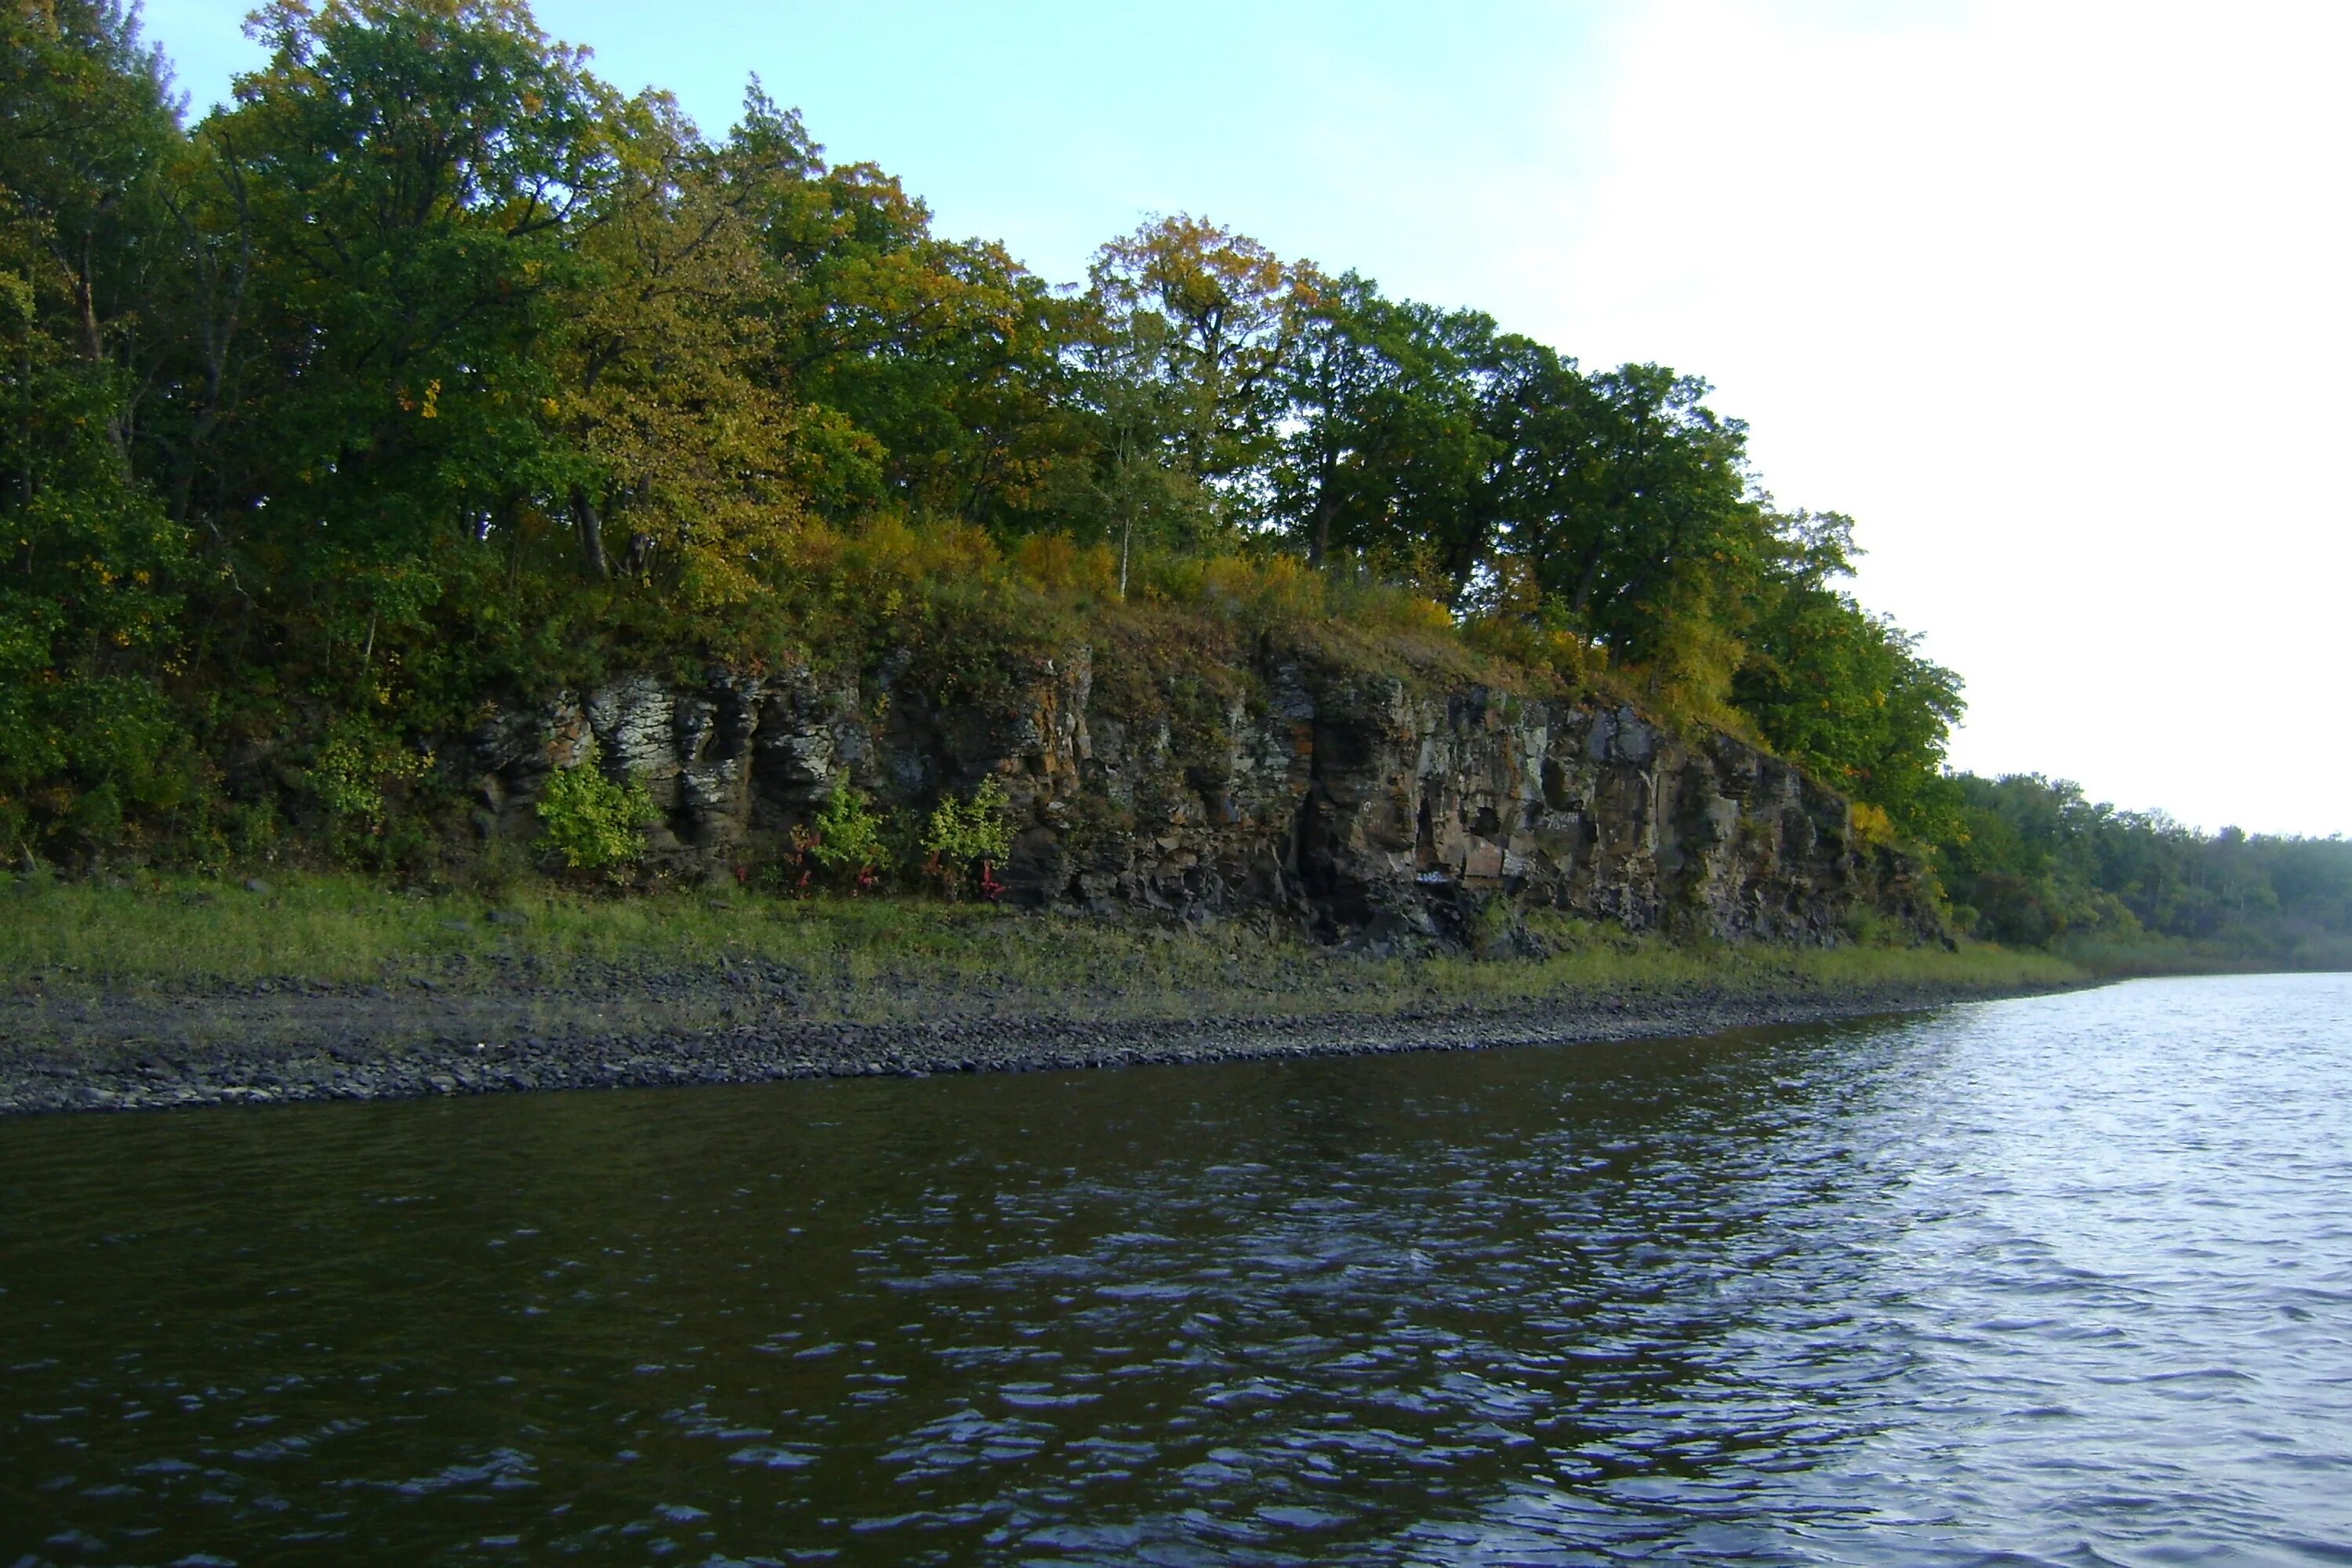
432,365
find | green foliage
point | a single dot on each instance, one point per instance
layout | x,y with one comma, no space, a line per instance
411,178
1868,927
595,824
965,839
90,564
432,366
1846,693
848,840
1193,322
354,766
929,373
2031,862
1394,449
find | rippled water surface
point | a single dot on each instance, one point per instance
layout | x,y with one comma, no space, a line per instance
2065,1280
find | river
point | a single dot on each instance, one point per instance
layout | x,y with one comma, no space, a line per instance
2064,1279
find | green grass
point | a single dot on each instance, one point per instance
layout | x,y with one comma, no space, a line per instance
1590,958
864,958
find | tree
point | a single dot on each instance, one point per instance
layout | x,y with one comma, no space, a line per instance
433,365
92,134
90,590
677,440
1173,354
1628,503
417,176
923,370
1203,317
1385,447
1844,692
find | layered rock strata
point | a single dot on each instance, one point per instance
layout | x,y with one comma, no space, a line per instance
1367,803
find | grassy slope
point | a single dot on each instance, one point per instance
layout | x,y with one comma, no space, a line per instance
867,959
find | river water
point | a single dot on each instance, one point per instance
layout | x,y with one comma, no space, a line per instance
2064,1279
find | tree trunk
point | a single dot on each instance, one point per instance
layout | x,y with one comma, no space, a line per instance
592,535
1318,538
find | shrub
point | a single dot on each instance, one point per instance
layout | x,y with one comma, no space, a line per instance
848,839
965,835
1866,926
595,824
351,769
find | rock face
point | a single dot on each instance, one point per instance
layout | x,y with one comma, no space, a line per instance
1369,803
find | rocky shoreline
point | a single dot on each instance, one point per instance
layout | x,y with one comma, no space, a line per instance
337,1046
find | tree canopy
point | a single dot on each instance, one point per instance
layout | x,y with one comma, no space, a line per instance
431,361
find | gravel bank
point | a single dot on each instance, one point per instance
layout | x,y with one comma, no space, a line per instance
123,1054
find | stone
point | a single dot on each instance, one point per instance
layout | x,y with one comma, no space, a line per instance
1357,804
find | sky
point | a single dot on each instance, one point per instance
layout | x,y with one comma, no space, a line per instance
2051,298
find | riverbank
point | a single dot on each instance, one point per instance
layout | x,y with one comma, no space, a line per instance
181,993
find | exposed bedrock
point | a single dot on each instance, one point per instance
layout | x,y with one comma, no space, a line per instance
1367,803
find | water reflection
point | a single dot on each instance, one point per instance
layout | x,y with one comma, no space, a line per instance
2067,1279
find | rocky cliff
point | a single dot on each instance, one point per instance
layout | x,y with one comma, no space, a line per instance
1371,803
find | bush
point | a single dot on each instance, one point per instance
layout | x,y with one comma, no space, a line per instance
963,835
595,824
351,769
847,841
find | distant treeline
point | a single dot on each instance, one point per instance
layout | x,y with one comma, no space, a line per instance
2032,863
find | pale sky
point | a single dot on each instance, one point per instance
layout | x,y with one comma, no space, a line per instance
2049,296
